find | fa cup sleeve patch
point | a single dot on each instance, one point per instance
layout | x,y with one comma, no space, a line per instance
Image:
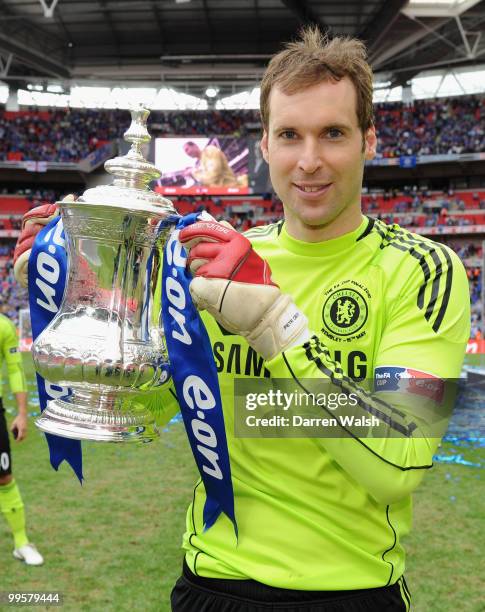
399,378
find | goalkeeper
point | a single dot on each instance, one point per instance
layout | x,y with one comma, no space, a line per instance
321,520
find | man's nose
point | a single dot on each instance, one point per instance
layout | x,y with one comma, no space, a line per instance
310,158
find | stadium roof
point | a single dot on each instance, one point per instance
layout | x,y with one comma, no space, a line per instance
193,44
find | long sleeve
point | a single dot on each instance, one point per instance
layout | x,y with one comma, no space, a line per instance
423,340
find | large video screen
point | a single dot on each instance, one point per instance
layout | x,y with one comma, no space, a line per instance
195,166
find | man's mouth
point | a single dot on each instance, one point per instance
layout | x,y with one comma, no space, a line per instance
312,188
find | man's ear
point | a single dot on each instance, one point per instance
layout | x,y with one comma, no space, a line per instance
370,143
264,146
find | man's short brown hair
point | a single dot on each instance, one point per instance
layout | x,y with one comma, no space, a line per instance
315,59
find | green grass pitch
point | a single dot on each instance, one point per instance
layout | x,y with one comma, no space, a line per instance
114,543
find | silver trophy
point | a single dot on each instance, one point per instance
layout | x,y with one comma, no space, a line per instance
106,343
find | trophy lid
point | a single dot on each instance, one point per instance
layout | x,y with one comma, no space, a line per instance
132,174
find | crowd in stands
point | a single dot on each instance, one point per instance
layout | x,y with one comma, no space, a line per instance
10,223
56,135
431,127
410,208
474,274
70,135
414,199
429,219
467,251
12,296
420,208
6,250
423,127
37,195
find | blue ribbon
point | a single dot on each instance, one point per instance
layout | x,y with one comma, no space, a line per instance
47,279
192,362
195,377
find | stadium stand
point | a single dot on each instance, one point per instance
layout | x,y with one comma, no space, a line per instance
417,210
70,135
12,296
425,127
428,127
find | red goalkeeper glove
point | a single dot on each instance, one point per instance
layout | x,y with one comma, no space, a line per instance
233,283
32,223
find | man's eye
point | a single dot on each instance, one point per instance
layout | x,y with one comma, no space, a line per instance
288,134
334,133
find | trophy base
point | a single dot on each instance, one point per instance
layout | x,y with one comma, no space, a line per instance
101,421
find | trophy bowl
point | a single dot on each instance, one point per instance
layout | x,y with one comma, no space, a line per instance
106,342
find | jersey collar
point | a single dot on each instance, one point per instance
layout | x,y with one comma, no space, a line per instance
325,248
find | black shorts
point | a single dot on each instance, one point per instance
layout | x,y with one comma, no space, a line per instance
5,456
196,594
